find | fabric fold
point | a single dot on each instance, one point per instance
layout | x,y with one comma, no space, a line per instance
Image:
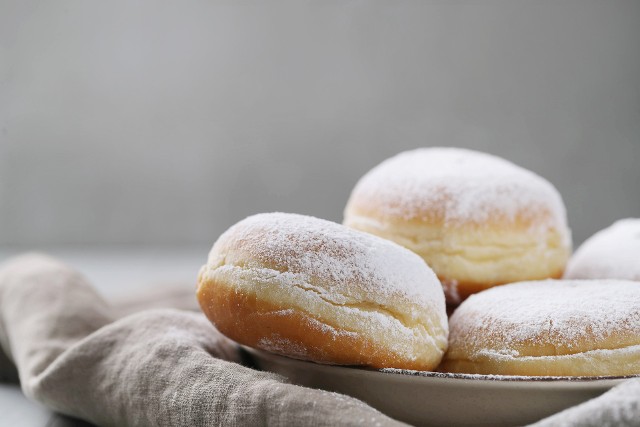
160,367
619,407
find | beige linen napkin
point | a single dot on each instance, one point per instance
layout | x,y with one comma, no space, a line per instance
619,407
159,367
82,357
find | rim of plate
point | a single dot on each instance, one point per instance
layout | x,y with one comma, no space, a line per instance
433,374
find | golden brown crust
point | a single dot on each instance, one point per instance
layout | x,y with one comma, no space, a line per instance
253,322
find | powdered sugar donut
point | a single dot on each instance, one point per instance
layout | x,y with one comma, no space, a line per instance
612,253
476,219
316,290
558,328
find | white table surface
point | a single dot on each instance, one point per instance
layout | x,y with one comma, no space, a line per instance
115,272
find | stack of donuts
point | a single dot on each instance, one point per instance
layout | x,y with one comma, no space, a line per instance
426,233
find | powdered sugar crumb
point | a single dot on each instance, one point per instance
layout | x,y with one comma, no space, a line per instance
285,312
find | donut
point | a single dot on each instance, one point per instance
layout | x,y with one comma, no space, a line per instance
316,290
548,328
612,253
476,219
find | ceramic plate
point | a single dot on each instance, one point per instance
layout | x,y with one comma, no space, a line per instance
432,398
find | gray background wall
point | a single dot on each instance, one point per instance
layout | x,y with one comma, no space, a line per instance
162,123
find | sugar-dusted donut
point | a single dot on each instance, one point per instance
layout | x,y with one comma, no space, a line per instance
612,253
476,219
316,290
552,327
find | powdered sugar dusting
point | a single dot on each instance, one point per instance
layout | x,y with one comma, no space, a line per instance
469,186
350,266
612,253
572,316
